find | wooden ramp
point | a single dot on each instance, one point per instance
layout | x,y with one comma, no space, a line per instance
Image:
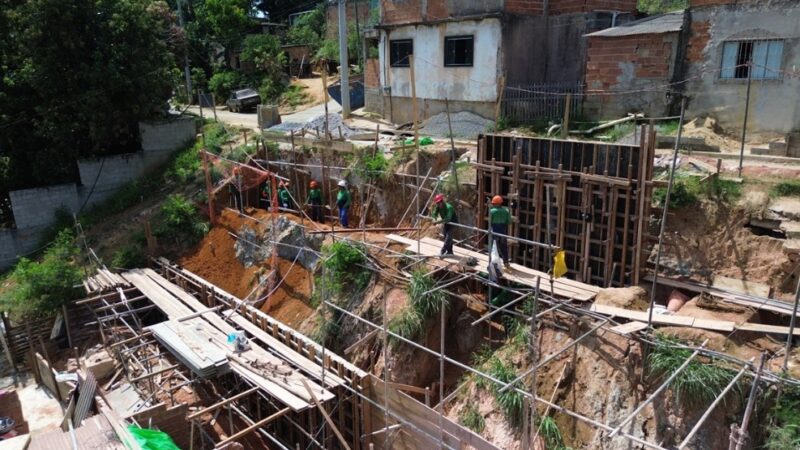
280,379
562,287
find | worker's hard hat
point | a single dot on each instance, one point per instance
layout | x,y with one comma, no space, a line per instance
342,183
313,184
497,200
438,198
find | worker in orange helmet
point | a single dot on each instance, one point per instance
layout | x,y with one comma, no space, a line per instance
446,214
499,220
315,202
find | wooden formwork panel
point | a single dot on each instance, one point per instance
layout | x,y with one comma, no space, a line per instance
598,196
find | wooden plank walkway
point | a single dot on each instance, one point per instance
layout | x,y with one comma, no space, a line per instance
562,287
273,375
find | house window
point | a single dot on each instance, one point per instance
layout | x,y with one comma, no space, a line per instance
458,51
765,56
399,51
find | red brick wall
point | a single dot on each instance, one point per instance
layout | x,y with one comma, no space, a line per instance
525,7
332,16
558,7
401,12
698,41
649,53
371,73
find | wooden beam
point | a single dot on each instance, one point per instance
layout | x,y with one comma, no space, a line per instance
325,415
148,375
221,404
369,336
254,427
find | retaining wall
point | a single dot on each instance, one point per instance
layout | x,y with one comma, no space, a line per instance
35,209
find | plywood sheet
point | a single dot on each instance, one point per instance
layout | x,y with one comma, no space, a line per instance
741,286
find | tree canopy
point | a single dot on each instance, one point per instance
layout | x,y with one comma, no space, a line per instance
76,78
280,10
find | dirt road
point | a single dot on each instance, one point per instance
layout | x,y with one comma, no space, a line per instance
244,120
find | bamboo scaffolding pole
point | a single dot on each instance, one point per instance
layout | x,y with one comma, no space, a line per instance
658,391
503,308
221,404
740,433
713,405
254,426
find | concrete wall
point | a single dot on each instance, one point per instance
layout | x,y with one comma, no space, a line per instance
475,87
410,11
35,209
774,107
630,63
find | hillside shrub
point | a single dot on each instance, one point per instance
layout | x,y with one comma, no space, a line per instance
181,220
222,83
345,268
783,431
40,288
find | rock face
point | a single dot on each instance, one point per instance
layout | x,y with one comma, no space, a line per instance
630,298
292,244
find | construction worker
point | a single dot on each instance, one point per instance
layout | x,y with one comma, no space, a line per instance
343,201
499,220
284,198
266,194
315,202
446,214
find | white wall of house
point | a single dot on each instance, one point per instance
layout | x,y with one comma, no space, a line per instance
434,81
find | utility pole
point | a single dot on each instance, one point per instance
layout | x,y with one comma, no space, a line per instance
186,71
344,69
746,111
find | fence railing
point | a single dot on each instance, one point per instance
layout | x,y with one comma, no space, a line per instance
530,103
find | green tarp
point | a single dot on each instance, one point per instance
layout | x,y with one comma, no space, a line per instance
152,439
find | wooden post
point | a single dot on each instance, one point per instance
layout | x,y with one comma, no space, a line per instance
567,111
209,189
325,93
500,93
416,136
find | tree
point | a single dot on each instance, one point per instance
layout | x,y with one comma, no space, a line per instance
263,52
279,10
227,20
661,6
309,29
77,78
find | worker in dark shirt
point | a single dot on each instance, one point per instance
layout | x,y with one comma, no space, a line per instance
445,213
315,202
499,220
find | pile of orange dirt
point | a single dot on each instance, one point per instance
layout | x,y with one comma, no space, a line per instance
215,260
290,301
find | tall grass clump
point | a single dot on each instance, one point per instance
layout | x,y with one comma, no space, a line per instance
471,418
422,305
698,384
345,268
783,428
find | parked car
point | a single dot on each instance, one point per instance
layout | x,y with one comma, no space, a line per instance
243,99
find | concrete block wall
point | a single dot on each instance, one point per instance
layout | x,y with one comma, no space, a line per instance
167,135
35,209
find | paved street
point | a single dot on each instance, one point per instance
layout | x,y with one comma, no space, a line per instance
250,119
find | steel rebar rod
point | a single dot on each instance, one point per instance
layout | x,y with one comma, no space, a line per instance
658,391
553,356
664,215
713,405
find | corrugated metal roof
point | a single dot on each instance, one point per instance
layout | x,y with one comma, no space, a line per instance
662,23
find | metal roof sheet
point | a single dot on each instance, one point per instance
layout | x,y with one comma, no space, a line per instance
662,23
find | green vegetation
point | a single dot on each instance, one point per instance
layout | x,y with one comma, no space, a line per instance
345,269
783,430
422,306
618,132
510,401
371,165
222,83
294,96
687,190
39,289
181,221
263,52
668,128
242,152
698,384
548,430
464,173
786,189
130,256
471,418
661,6
215,135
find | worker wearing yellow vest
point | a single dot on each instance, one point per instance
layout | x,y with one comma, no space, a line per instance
499,220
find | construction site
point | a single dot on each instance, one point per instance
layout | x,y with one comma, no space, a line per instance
276,331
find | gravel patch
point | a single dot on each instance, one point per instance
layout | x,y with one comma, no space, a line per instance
334,122
465,124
